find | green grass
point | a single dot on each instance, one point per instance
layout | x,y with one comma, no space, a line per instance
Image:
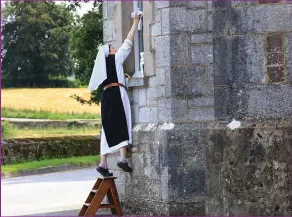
52,162
7,130
53,132
36,114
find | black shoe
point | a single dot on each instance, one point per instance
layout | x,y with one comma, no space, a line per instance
125,167
104,172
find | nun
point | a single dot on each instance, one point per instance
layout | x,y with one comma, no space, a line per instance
116,132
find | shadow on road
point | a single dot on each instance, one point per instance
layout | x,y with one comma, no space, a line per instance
70,213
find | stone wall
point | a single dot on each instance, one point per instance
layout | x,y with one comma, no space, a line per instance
252,60
250,169
206,62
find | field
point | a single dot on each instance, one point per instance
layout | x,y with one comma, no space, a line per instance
48,99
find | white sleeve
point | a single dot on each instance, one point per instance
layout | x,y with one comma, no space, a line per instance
124,51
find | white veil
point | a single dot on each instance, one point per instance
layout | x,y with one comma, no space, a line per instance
99,70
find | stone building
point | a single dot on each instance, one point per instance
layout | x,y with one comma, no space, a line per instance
206,63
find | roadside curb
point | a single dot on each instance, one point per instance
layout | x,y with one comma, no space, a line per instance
45,170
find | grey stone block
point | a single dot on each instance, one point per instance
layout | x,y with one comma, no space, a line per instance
255,59
221,21
270,102
104,10
188,209
201,114
210,24
152,81
179,110
202,38
210,91
223,103
152,168
141,96
161,75
138,161
175,184
161,4
239,3
192,81
194,152
289,57
110,9
152,189
239,60
196,4
202,54
162,50
134,97
194,183
152,96
144,115
179,50
135,114
156,26
137,82
153,114
265,18
201,102
108,30
179,19
222,61
163,112
221,4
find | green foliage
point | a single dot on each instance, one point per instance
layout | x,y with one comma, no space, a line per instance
36,149
87,36
36,41
39,114
7,130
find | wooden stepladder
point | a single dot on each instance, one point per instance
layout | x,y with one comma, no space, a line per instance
103,187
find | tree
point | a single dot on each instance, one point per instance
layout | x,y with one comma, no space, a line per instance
36,39
87,36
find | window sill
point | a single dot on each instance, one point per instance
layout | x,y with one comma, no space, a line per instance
137,82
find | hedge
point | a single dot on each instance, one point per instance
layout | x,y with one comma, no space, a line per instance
34,149
55,123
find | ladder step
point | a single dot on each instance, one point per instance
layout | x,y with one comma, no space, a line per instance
107,206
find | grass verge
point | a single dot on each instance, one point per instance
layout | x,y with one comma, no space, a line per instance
52,162
7,130
43,114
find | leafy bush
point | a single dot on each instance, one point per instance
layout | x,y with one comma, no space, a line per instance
36,149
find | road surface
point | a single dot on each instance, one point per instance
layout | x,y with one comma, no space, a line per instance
54,194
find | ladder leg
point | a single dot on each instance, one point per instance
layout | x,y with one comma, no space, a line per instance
116,199
98,198
111,201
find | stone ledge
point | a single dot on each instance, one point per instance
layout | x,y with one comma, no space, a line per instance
137,82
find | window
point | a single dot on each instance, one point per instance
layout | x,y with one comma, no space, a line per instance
138,44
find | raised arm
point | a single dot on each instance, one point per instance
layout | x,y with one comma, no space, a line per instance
124,51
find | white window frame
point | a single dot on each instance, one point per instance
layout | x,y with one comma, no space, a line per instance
138,44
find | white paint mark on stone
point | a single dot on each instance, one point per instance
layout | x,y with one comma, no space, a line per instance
137,128
234,124
167,126
149,127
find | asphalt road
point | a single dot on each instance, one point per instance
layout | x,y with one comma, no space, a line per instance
54,194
